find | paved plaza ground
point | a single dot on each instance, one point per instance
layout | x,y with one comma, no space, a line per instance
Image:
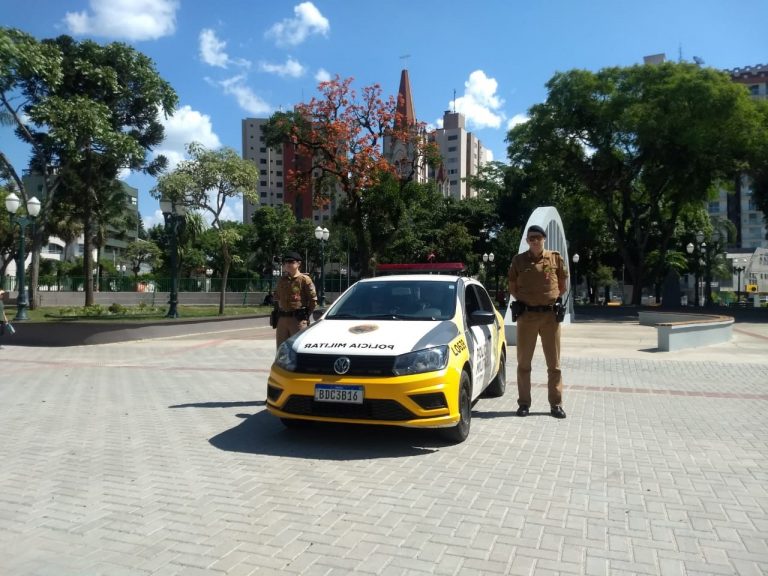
157,457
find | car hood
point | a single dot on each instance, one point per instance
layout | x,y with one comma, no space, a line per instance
374,337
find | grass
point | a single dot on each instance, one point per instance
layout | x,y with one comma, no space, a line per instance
132,313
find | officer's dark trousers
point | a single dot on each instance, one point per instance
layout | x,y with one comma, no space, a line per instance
530,326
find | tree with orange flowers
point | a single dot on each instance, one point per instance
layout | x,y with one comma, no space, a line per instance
334,148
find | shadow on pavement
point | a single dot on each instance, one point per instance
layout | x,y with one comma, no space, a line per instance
262,433
508,414
220,404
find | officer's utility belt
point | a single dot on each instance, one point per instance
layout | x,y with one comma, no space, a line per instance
527,308
289,313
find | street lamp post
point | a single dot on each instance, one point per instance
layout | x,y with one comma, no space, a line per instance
12,203
575,279
490,258
174,215
208,274
690,248
739,268
711,251
121,268
322,235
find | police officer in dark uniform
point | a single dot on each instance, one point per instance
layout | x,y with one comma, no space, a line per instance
296,298
537,280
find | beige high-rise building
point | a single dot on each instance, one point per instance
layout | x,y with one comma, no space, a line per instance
462,153
273,165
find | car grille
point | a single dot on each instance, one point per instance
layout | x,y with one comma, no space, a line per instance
368,410
359,365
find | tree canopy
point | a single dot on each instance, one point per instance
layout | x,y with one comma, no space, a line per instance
642,142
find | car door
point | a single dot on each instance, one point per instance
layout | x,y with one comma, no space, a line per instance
480,339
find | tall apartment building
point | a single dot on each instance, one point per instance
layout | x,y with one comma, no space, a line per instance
273,165
738,205
462,154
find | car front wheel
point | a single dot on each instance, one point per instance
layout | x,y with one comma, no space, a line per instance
460,431
498,385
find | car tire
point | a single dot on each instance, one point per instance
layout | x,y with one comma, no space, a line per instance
458,433
498,385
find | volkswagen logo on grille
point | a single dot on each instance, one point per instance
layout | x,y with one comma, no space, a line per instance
342,364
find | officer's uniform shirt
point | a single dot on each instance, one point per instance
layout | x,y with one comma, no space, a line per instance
295,292
536,279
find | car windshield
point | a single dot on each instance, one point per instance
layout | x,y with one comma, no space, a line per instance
396,300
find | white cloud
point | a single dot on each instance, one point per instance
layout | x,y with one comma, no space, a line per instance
293,31
212,51
291,68
128,19
153,219
516,120
323,75
246,98
185,126
480,104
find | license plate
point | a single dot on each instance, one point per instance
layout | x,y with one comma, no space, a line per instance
342,394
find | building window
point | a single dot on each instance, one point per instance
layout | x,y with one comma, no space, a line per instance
279,184
453,137
279,172
263,183
754,90
263,150
262,160
261,138
279,194
279,162
263,194
451,148
452,171
134,201
454,182
451,161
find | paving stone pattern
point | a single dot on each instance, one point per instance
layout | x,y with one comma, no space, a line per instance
158,458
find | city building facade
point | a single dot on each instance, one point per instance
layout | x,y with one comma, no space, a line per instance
273,164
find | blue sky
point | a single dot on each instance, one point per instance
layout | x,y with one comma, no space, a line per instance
233,59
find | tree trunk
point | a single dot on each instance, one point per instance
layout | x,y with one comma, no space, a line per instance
34,273
87,262
222,292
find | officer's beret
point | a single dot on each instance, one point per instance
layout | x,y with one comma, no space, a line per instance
292,256
537,230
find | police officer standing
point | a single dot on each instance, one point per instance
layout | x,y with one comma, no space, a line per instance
296,298
537,280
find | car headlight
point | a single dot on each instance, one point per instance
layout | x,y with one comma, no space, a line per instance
286,356
428,360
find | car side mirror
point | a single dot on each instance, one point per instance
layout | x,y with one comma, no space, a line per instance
482,318
317,313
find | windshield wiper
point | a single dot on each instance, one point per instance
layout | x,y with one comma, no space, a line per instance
344,317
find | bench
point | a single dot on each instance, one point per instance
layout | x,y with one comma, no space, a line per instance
678,330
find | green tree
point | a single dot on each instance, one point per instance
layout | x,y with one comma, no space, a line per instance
643,142
141,252
270,237
205,182
87,111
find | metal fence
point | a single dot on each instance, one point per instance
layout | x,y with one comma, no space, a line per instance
125,283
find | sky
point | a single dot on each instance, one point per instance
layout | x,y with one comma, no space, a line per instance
234,59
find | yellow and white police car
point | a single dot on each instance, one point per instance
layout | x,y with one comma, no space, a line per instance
415,351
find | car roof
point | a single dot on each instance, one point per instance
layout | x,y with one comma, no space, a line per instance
415,277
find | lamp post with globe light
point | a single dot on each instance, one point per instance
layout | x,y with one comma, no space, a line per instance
691,248
490,258
575,280
174,215
739,265
322,235
12,204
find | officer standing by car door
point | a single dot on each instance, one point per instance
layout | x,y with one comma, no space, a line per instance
296,298
537,280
